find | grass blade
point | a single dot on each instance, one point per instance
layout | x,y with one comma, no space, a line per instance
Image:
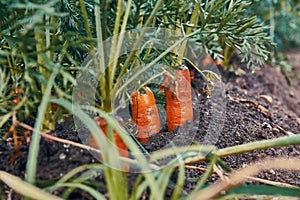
24,188
35,140
241,175
265,190
86,188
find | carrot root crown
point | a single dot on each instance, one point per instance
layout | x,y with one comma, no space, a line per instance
145,114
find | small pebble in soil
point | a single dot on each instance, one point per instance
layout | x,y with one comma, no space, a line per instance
275,130
266,125
62,156
290,149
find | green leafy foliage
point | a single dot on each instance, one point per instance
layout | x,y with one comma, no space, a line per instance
264,190
228,27
34,38
43,43
283,18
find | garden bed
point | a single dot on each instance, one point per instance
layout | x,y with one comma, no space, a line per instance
258,106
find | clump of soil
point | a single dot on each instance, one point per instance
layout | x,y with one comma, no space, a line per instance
248,107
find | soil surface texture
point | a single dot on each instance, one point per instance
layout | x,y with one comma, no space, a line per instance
246,107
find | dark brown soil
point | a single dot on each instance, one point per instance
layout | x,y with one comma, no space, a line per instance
255,107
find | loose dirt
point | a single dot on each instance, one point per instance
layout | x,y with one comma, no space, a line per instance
252,107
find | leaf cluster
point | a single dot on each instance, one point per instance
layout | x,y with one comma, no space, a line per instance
283,19
225,24
55,24
44,42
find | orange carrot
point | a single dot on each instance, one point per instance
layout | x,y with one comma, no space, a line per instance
145,114
178,94
102,123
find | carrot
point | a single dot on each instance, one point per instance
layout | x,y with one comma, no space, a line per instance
102,123
179,109
145,114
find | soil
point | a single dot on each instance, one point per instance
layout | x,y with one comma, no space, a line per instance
247,107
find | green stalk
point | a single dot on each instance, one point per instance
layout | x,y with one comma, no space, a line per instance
120,38
136,45
25,189
96,194
125,137
35,139
85,19
228,54
239,149
203,149
11,68
41,46
116,47
107,99
258,145
101,67
51,117
272,28
193,21
205,176
119,88
241,175
99,32
272,21
180,180
73,172
252,146
104,8
177,28
88,30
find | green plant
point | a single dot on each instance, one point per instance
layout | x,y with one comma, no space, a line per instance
39,59
182,157
283,19
32,43
36,37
